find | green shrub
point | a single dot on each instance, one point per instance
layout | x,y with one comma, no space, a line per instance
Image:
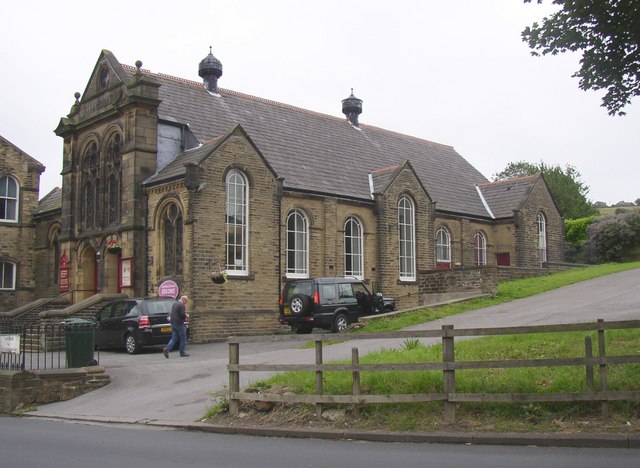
613,238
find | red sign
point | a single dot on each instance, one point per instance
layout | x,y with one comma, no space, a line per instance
63,273
168,289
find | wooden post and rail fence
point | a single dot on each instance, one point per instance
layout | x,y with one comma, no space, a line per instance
448,367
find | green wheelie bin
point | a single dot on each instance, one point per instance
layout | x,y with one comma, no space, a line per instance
80,342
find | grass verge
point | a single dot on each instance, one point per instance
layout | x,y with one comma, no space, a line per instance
550,417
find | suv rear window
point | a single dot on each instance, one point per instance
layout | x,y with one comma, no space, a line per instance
298,287
159,307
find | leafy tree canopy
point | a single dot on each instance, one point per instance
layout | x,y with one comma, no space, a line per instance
607,32
569,193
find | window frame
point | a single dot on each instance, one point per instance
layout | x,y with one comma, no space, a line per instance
541,222
443,248
167,220
232,268
479,249
406,239
7,199
299,253
353,258
14,271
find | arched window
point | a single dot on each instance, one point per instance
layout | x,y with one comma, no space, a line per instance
172,229
353,248
91,177
9,191
443,249
542,238
114,177
237,223
297,245
7,276
479,249
54,241
407,237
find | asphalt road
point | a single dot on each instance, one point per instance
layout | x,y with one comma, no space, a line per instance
148,387
28,442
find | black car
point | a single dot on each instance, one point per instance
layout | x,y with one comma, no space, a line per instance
134,323
331,303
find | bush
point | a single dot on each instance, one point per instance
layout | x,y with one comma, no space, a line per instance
612,238
575,230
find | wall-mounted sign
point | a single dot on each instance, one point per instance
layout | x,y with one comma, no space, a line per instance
168,288
126,272
63,273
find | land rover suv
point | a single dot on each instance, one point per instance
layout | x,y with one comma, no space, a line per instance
331,303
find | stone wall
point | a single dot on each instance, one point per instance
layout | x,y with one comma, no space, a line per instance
481,279
17,237
19,389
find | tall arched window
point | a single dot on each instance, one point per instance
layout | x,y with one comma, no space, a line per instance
443,249
113,170
237,223
7,276
91,193
297,245
9,191
54,241
353,248
172,229
479,249
407,237
542,238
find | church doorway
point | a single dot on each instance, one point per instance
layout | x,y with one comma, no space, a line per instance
88,280
111,269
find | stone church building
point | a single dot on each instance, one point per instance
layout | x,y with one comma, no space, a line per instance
166,180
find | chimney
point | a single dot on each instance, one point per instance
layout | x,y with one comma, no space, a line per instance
210,70
352,108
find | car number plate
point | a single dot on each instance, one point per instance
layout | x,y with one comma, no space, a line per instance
287,311
165,329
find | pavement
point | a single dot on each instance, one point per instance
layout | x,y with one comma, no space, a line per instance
148,389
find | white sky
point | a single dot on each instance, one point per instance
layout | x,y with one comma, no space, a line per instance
455,72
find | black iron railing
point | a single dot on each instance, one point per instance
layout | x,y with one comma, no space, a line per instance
47,346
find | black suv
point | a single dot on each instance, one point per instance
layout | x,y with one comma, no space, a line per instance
331,303
134,322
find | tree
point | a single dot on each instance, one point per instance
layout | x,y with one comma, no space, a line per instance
569,193
607,34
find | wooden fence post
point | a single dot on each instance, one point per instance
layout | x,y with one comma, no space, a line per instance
319,378
588,352
603,367
355,361
448,374
234,378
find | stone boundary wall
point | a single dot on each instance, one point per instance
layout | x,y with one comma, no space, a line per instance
20,389
512,273
218,325
484,279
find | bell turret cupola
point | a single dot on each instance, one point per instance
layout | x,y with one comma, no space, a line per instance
210,70
352,108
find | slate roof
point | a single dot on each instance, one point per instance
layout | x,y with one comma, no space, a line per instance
507,195
50,202
315,152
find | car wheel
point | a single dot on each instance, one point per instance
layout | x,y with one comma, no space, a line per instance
303,330
131,345
340,323
300,304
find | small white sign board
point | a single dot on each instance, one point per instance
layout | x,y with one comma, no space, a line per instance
10,344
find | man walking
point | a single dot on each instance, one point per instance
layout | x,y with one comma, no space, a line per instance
178,328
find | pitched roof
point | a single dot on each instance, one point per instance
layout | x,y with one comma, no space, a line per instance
52,201
317,152
504,196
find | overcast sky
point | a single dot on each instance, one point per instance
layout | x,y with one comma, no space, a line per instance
454,72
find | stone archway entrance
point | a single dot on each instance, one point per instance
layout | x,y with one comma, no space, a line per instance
87,279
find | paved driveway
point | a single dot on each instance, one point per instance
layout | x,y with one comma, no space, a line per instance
149,387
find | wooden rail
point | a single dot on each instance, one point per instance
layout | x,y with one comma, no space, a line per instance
448,367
